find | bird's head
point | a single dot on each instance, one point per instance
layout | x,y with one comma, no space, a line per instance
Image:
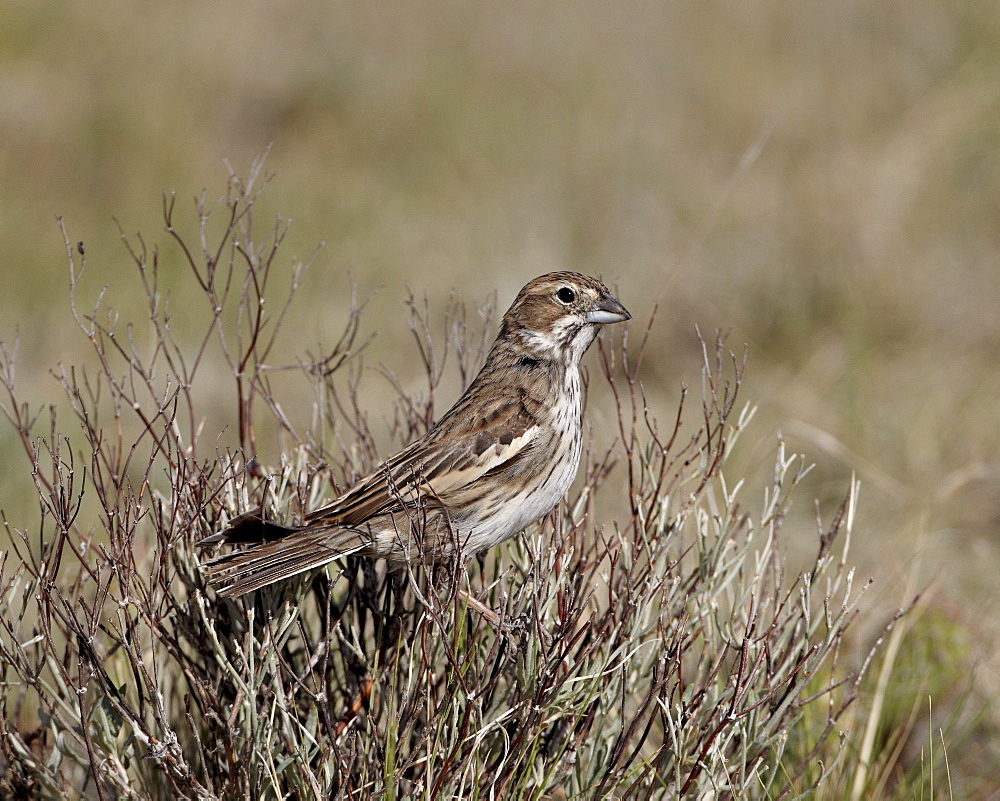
557,315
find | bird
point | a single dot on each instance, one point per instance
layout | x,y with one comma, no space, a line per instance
499,460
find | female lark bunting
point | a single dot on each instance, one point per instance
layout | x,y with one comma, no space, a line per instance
499,460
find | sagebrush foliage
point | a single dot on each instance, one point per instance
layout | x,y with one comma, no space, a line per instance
652,644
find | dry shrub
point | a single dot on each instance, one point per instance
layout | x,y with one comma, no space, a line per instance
652,643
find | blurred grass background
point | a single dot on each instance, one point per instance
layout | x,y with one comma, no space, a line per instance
820,179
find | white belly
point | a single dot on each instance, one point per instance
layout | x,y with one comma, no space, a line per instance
531,504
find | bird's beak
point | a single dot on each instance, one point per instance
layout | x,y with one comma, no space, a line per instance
607,309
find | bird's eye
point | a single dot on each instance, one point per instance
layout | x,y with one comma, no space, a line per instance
566,295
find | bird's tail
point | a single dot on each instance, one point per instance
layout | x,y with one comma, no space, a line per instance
274,552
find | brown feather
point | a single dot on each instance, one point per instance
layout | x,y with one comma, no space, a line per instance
499,459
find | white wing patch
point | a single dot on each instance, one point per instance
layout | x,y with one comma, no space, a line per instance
493,457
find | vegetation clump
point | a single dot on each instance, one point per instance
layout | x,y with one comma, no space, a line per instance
652,641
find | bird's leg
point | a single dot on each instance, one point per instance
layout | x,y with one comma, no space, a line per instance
473,602
500,623
455,572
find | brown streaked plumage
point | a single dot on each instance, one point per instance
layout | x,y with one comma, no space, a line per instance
496,462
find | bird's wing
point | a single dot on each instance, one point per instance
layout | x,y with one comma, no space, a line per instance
434,467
